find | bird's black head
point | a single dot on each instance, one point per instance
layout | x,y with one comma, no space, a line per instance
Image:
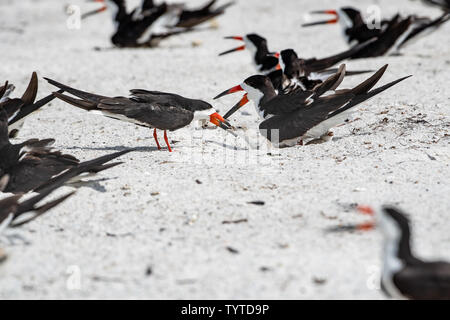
257,40
289,63
259,82
288,56
350,16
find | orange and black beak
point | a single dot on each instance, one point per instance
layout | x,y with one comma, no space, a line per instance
366,226
241,102
91,13
329,21
229,91
235,49
353,227
236,107
219,121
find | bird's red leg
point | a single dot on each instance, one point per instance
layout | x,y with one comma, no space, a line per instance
156,139
167,141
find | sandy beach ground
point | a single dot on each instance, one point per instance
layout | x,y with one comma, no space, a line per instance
156,226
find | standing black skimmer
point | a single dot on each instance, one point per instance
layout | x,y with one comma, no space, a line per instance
404,276
148,24
301,116
32,163
18,108
152,109
392,35
305,72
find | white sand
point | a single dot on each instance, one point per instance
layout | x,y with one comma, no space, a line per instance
163,220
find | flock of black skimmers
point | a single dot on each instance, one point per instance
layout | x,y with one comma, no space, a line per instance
298,98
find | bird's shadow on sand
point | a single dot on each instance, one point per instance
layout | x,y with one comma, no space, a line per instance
93,184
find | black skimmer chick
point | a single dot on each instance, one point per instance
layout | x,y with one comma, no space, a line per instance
18,108
404,276
152,109
148,24
301,116
392,35
32,163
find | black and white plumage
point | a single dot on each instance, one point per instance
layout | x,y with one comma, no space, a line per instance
147,25
404,276
391,35
31,164
152,109
310,72
304,115
19,108
286,70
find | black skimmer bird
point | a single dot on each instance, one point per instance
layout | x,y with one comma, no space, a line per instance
18,108
305,72
265,61
404,276
148,24
152,109
301,116
31,164
391,36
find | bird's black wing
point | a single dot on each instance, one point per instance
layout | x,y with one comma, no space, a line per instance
425,281
192,18
94,166
387,39
30,93
421,27
90,97
296,124
30,108
287,103
314,65
12,107
141,95
158,115
331,83
4,139
36,168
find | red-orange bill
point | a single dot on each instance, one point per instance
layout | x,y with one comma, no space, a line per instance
232,50
334,20
236,107
353,227
229,91
219,121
